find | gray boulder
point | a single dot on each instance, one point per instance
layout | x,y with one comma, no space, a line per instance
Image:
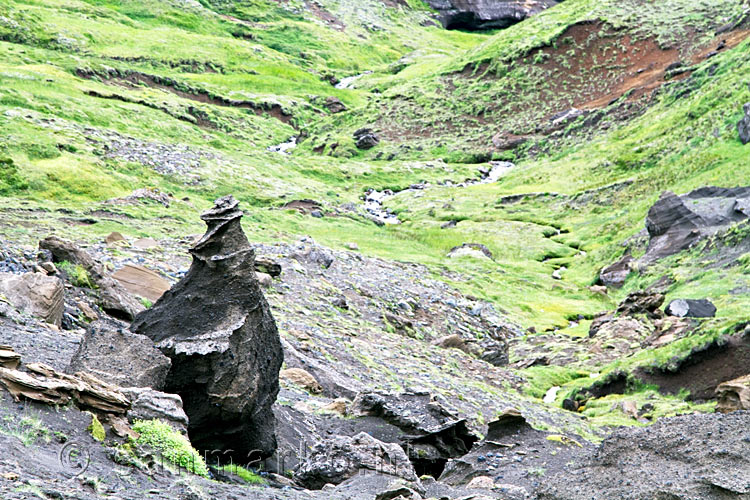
216,327
365,138
36,294
691,308
486,14
743,127
335,461
614,276
120,357
149,404
675,223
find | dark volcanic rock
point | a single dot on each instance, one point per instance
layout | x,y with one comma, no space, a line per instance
675,222
743,127
486,14
344,457
690,308
366,138
119,357
335,105
687,457
510,450
432,434
217,328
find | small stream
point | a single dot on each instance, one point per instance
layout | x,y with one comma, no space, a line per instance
347,82
284,147
374,199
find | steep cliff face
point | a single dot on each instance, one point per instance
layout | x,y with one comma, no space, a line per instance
487,14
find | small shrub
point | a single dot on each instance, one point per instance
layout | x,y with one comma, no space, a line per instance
96,429
245,474
171,444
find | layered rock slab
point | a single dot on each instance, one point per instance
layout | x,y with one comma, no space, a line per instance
216,327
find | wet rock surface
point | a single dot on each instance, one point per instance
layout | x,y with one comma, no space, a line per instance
216,327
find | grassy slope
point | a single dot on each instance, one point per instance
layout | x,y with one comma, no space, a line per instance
679,144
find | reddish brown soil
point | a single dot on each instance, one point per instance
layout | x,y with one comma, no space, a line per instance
325,16
701,372
591,65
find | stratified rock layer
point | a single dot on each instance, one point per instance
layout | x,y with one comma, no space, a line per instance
217,328
35,294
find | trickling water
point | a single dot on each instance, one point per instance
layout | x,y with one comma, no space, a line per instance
284,147
374,199
347,82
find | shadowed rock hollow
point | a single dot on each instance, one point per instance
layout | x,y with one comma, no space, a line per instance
486,14
217,328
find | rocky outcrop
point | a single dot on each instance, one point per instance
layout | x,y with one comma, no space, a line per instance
486,14
431,434
734,395
476,250
113,297
691,308
343,457
216,327
41,383
34,293
641,302
301,378
120,357
9,358
501,461
335,105
692,456
141,282
675,223
365,138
